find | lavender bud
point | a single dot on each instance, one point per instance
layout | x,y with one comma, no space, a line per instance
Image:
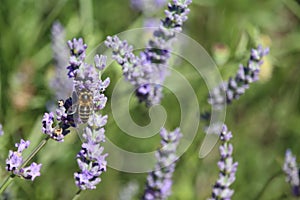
100,61
235,87
60,84
291,171
77,49
159,182
227,168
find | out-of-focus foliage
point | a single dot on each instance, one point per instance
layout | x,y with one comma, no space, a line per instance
265,121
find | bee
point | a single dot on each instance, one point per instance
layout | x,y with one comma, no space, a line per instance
84,105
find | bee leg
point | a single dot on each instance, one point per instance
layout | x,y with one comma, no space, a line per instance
80,132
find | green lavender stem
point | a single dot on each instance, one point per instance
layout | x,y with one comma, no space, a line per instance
34,152
77,195
259,195
6,183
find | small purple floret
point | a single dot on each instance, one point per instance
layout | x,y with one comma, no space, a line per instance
15,161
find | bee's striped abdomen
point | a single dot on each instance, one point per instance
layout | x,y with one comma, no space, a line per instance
84,113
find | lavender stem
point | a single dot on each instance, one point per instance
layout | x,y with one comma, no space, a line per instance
262,191
77,195
6,183
35,151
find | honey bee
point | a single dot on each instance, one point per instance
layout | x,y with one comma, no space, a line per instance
84,105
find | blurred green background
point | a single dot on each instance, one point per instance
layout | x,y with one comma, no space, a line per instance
265,121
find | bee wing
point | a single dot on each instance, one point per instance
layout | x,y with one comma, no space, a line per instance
73,110
80,131
78,112
75,96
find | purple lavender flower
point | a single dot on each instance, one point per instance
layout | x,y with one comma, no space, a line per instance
22,145
62,119
291,171
100,62
91,159
48,121
60,84
1,130
91,162
147,72
227,168
15,161
77,50
31,172
159,181
232,89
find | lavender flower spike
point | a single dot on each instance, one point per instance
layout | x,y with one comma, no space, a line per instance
60,84
15,161
91,159
129,191
148,71
159,181
232,89
227,168
292,172
77,50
